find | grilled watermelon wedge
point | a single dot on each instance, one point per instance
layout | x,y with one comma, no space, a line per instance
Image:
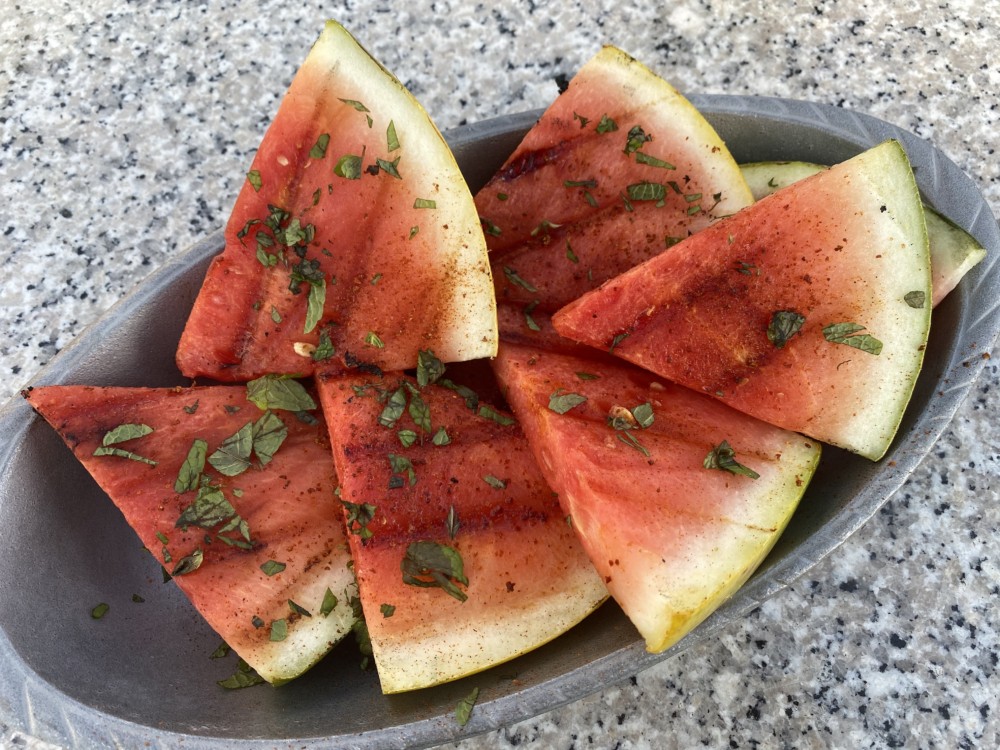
463,556
627,455
954,252
620,167
259,550
809,309
354,238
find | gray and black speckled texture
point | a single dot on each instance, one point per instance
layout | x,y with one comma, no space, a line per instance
125,129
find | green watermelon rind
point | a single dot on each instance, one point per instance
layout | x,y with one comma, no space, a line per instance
954,252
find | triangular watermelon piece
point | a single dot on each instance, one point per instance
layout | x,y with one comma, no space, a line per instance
427,472
619,168
655,479
354,238
262,553
954,252
809,310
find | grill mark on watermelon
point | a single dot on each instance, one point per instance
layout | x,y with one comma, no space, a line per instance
531,161
607,242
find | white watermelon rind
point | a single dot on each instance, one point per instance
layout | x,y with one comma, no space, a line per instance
310,638
453,650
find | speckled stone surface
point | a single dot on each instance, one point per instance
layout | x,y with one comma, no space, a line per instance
125,129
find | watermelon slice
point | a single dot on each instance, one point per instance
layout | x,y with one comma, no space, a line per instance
260,553
809,310
627,455
354,238
620,167
463,556
954,252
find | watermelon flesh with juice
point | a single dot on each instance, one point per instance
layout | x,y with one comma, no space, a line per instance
241,546
954,252
809,309
354,239
627,455
620,167
463,556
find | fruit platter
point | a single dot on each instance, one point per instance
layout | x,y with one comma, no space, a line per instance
153,663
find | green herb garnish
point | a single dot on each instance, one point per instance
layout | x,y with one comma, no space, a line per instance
433,565
189,475
391,141
279,630
652,161
272,567
488,412
279,392
245,676
606,125
463,711
429,368
784,324
492,481
329,603
561,402
850,334
318,151
636,139
121,434
359,515
646,191
188,564
348,166
512,276
723,457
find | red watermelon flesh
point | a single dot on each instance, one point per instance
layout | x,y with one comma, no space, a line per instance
844,250
354,232
671,538
525,577
291,514
617,169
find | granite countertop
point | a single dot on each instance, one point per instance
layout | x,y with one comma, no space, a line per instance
125,130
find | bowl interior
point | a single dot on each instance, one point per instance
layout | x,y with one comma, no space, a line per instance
146,668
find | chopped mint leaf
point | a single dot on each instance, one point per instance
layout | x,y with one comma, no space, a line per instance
849,335
561,402
272,567
463,711
430,564
784,324
723,457
279,392
318,151
189,475
348,166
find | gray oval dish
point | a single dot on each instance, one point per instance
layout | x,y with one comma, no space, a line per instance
143,675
